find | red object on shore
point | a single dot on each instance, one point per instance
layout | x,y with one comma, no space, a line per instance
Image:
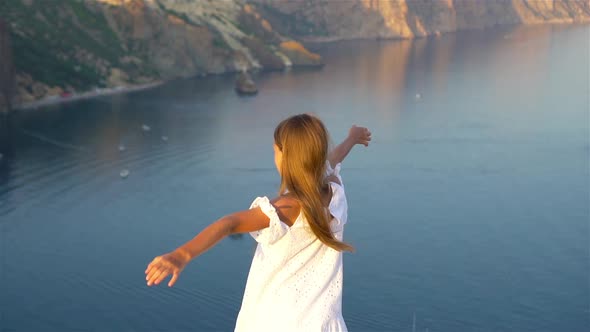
65,94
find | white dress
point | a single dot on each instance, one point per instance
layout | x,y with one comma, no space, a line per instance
295,281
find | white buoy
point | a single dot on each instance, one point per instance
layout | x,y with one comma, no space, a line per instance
165,138
418,96
145,127
124,173
121,147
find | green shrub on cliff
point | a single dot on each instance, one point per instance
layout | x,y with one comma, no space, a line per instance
61,42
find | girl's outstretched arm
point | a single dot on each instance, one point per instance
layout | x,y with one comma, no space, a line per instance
174,262
245,221
356,135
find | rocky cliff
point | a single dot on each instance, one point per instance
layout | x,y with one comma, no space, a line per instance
71,46
80,45
325,20
7,71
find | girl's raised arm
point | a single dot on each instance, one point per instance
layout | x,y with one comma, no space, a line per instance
356,135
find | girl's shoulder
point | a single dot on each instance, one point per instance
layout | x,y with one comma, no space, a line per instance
287,207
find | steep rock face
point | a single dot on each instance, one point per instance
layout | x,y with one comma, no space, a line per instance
7,83
165,41
80,45
317,20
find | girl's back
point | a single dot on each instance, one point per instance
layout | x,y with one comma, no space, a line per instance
295,281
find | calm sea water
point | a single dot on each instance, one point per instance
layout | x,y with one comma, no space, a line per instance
469,211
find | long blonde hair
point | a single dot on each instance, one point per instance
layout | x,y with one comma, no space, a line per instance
303,141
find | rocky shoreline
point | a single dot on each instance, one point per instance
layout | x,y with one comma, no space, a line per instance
55,100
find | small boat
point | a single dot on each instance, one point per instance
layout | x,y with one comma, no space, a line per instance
121,147
145,127
165,138
124,173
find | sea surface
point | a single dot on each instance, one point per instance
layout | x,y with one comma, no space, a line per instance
469,211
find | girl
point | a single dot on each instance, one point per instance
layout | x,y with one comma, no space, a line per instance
295,280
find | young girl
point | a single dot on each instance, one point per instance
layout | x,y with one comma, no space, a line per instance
295,280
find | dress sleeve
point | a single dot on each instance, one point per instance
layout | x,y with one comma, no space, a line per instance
334,171
338,205
276,228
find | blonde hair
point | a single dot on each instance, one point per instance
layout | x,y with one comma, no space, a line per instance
303,141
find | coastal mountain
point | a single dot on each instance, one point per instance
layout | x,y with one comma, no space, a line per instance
325,20
71,46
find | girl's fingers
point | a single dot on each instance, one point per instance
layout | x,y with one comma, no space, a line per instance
149,268
152,272
152,264
162,276
173,280
155,276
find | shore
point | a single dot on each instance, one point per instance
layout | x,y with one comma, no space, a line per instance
55,100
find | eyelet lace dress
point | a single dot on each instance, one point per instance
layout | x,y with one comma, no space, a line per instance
295,281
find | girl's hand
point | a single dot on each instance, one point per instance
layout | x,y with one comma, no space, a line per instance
359,135
171,263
